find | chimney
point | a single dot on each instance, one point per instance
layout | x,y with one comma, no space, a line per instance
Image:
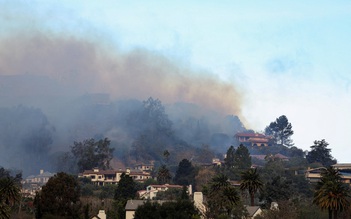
41,172
102,214
198,197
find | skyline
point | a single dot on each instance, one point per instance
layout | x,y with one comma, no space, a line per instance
283,58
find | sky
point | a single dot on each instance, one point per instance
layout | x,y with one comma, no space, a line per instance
283,57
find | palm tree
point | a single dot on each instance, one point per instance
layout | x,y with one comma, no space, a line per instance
10,194
222,196
331,193
251,181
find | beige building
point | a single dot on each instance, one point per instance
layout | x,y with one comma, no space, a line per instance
104,177
253,139
314,175
34,183
152,190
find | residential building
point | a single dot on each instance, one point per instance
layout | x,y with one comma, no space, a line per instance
132,205
34,183
145,167
253,211
101,215
253,139
152,190
104,177
314,175
275,156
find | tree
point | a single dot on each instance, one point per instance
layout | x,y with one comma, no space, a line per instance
60,196
222,197
229,160
90,154
184,209
331,194
10,195
126,188
203,177
153,130
278,188
185,174
149,210
163,175
281,130
320,153
251,181
166,155
242,159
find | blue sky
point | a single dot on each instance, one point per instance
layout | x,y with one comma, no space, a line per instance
285,57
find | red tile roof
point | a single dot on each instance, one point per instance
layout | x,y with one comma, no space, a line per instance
244,134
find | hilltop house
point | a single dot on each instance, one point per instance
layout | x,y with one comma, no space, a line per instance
34,183
104,177
253,139
271,156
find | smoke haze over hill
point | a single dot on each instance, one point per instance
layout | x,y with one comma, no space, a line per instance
74,81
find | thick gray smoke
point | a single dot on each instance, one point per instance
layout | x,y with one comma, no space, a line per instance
62,75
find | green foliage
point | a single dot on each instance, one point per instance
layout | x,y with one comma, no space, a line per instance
60,196
107,191
185,174
169,194
331,194
184,209
278,189
286,209
126,188
320,153
281,130
163,175
90,154
10,195
153,129
242,159
221,197
229,160
251,181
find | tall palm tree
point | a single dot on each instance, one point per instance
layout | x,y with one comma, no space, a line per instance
331,193
251,181
222,196
10,194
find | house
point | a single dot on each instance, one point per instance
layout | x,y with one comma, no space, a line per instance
104,177
253,211
253,139
152,190
132,206
34,183
144,167
101,215
314,175
274,157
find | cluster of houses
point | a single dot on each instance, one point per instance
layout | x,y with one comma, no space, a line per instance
142,172
33,183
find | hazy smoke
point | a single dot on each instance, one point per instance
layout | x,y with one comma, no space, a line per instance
90,68
52,73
